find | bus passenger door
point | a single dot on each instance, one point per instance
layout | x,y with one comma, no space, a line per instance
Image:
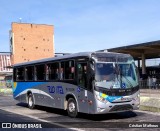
82,85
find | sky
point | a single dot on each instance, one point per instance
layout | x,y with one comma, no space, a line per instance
85,25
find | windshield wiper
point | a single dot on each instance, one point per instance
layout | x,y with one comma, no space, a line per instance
118,72
128,81
121,75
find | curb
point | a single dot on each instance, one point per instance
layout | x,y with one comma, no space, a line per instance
149,108
149,104
5,91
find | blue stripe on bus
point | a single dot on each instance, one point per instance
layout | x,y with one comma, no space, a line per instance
21,86
112,98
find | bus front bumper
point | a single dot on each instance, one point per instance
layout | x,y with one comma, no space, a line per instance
103,108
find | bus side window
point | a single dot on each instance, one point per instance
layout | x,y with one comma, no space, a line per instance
53,69
35,73
47,72
40,71
26,76
69,70
57,74
61,71
71,75
29,71
20,74
61,74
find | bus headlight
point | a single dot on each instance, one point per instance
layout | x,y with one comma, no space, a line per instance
101,99
137,100
137,97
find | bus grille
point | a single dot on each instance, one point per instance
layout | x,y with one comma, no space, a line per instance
121,101
121,108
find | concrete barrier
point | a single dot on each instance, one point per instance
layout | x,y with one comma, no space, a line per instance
6,91
150,104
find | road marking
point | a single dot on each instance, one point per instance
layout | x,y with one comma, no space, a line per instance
42,120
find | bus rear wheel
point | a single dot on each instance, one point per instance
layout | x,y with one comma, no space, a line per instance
31,104
72,108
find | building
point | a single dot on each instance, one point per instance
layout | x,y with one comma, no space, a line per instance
31,42
5,63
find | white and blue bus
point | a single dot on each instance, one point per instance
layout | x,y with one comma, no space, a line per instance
89,82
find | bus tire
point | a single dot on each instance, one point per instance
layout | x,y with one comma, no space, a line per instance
72,108
31,104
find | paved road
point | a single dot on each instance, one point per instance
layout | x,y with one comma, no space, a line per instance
13,120
12,111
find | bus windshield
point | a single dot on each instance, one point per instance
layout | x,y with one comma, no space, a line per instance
116,75
105,71
127,70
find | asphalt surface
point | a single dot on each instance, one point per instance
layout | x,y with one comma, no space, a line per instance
7,117
13,111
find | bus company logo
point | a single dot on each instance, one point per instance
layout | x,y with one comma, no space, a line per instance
121,90
14,85
55,89
78,89
123,85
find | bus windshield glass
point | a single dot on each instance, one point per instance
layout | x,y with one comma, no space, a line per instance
127,70
105,71
116,75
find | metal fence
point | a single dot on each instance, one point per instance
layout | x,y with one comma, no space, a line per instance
144,84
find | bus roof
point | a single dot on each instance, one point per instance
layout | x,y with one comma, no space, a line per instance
74,55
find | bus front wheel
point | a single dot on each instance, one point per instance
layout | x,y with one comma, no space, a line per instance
31,101
72,108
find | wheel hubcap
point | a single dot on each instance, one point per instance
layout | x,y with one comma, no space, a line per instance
30,102
72,107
